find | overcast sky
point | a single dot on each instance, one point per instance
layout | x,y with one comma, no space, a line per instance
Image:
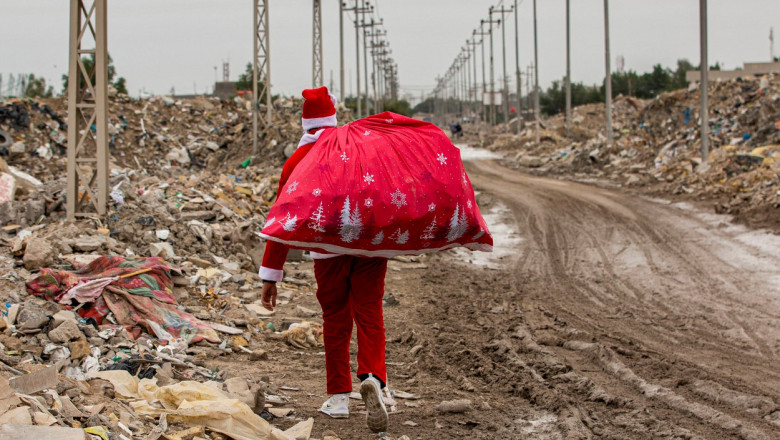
160,44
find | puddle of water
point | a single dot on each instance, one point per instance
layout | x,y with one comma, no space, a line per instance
469,153
505,240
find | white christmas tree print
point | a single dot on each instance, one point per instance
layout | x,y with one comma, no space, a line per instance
351,223
368,178
398,198
478,235
378,238
458,224
344,156
269,222
316,192
442,158
290,223
400,237
430,231
316,220
291,188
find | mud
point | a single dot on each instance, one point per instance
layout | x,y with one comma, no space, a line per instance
616,316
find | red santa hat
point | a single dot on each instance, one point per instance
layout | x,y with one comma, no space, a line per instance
319,109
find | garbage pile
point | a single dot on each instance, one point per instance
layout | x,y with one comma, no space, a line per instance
119,327
657,146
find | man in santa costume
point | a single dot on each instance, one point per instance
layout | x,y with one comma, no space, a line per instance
349,289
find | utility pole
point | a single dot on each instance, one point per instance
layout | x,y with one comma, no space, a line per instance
87,167
357,10
517,75
366,8
261,70
609,73
473,45
482,34
341,51
536,76
704,87
316,65
568,73
490,22
505,91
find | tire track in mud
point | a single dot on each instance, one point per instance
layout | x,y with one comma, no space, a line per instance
572,229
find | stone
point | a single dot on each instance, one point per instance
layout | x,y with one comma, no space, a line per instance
258,355
88,244
454,406
303,312
16,416
66,332
40,432
62,316
17,148
38,253
197,215
79,349
36,381
301,430
162,250
31,318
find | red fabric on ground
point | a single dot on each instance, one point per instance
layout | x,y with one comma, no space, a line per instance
350,289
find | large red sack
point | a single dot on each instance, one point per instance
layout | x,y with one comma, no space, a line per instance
384,185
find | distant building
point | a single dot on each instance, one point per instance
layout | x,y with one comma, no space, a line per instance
748,69
225,89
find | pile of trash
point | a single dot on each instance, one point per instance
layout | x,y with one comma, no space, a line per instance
116,327
657,146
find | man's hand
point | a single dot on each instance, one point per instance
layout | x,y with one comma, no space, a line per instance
268,295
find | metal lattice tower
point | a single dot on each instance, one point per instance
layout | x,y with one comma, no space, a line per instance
261,72
87,168
316,68
226,71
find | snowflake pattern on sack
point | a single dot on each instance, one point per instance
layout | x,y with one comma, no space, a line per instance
442,158
316,192
369,202
344,157
368,178
367,132
291,188
432,207
398,198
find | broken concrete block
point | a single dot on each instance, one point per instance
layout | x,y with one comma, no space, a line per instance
88,244
36,381
38,253
66,332
301,430
31,318
15,432
162,250
303,312
79,349
62,316
17,416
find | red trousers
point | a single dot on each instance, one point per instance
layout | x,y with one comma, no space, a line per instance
350,289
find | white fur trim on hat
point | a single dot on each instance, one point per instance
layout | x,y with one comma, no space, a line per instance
327,121
310,138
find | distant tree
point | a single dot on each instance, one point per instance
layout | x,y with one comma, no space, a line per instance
424,107
553,100
36,88
400,106
245,79
678,78
89,66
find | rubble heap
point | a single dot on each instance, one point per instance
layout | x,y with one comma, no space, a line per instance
186,187
657,146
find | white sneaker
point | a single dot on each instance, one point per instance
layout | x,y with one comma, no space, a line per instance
376,413
337,406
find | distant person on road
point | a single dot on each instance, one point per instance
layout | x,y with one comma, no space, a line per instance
349,289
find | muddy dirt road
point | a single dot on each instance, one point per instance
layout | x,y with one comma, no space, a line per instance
630,318
604,315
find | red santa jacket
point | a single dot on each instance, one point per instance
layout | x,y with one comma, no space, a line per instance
276,253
